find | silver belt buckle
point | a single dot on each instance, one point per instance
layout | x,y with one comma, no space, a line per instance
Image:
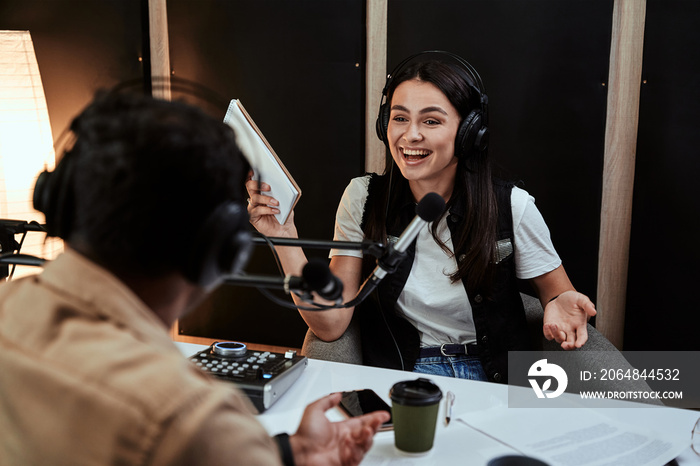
442,350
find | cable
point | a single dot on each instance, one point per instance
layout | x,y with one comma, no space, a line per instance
393,338
276,256
19,247
292,305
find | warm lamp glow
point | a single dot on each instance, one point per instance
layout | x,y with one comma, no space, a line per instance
26,143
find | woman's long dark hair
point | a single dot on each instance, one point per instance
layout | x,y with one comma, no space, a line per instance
476,242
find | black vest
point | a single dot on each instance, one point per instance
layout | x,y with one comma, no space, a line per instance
389,340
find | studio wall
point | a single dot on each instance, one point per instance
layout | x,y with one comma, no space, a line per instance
662,309
81,46
298,67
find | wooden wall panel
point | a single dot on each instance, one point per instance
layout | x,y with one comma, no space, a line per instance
618,171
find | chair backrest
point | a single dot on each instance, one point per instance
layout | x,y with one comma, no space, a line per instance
347,348
597,353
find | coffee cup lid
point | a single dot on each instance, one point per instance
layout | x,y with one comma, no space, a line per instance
516,460
419,392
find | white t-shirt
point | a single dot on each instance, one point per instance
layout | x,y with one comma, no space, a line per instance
438,308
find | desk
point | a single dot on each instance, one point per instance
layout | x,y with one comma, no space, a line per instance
457,443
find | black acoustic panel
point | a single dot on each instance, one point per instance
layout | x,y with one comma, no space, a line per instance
298,68
662,309
81,46
544,64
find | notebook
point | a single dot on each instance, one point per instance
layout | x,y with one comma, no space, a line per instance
267,166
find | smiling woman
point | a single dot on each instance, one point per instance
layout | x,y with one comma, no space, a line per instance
452,307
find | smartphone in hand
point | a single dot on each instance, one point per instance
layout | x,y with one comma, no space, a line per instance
359,402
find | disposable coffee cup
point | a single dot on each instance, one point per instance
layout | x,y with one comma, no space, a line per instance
414,411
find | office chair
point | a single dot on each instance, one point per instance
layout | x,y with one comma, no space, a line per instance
597,353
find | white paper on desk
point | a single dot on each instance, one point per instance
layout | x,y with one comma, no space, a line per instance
455,444
577,437
266,165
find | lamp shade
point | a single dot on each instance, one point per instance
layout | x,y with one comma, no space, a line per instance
26,143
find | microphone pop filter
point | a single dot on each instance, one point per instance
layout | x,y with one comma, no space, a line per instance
430,207
318,278
316,273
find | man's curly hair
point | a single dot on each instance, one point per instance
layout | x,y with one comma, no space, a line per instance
146,173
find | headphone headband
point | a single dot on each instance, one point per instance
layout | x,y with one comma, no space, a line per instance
477,85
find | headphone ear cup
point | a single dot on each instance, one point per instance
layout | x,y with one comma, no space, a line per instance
40,196
53,197
472,135
222,246
382,123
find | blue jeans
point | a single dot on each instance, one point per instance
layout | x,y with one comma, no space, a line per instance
463,367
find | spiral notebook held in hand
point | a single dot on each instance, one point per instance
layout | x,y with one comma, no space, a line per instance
267,166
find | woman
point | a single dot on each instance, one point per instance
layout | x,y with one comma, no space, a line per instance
452,307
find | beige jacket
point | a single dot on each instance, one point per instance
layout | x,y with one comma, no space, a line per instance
89,376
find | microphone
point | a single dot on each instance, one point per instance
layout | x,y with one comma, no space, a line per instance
429,209
320,279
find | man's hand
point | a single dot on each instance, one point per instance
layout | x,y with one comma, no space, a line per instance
566,319
321,442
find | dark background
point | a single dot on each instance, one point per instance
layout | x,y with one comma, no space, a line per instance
663,311
299,67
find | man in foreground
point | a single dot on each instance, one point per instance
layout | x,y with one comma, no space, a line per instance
148,199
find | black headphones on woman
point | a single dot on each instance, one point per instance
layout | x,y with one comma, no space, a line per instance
473,133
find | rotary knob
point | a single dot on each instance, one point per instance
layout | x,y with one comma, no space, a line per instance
230,348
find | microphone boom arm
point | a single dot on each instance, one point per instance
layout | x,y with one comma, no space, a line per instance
371,247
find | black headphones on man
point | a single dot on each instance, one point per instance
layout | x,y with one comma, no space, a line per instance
221,246
473,133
